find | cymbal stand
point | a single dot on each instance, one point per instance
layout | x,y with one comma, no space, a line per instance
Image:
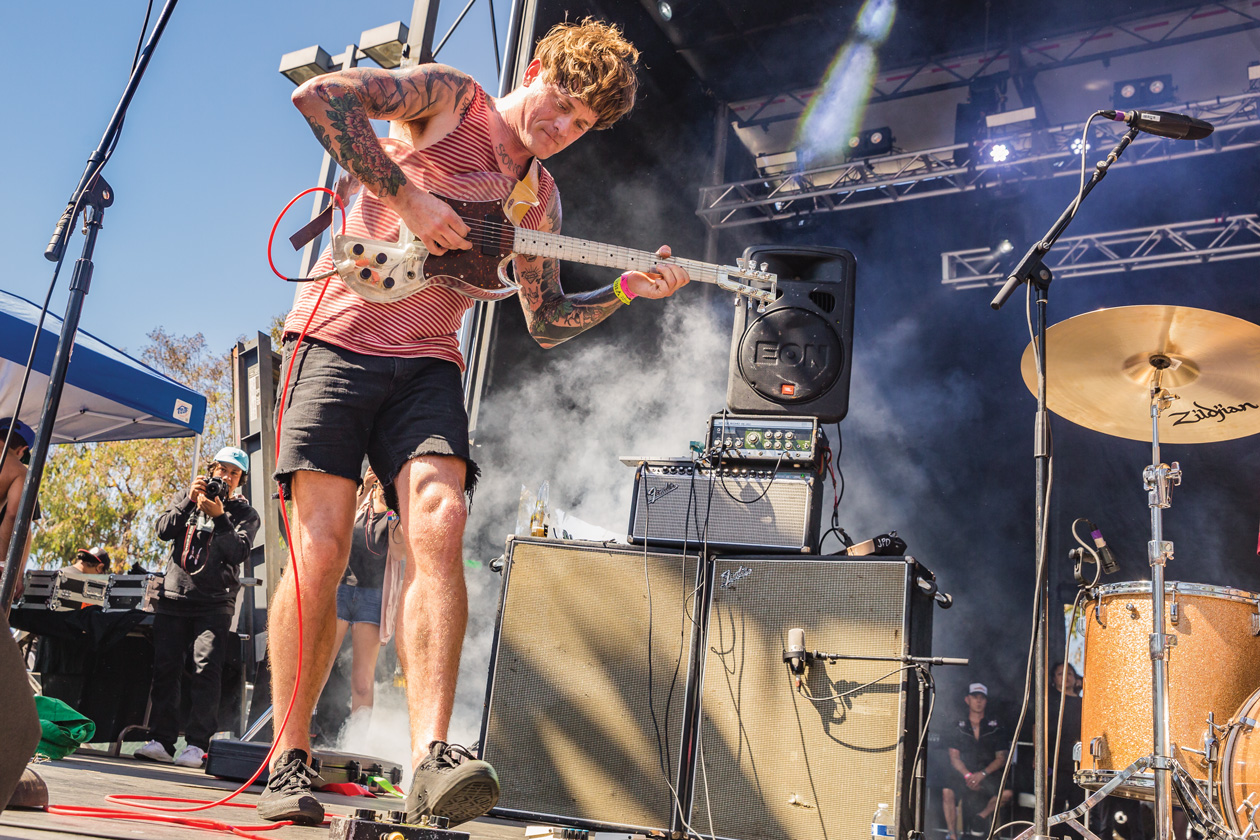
1159,479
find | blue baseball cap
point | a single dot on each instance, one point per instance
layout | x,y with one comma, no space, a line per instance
25,432
235,457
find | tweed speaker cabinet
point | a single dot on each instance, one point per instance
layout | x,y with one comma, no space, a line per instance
588,679
745,508
774,764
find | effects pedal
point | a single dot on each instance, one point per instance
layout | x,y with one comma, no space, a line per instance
370,824
742,437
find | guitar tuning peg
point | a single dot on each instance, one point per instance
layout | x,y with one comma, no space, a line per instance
742,263
764,266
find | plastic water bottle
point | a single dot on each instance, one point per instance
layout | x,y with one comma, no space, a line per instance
881,823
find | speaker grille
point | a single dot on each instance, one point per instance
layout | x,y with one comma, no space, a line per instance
757,513
776,765
569,725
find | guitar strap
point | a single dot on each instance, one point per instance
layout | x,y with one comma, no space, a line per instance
524,195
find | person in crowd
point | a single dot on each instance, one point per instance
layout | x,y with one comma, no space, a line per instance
21,438
211,530
977,752
91,561
359,601
383,379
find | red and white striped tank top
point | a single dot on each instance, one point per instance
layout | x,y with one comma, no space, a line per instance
425,323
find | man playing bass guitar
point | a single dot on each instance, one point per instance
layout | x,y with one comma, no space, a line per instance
383,378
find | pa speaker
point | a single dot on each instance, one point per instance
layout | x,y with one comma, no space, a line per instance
795,357
778,762
588,683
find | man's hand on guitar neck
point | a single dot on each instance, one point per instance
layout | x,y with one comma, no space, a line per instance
662,281
430,218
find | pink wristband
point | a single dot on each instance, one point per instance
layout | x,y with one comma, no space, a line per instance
621,284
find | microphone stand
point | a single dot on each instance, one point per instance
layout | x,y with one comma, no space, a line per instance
92,196
1031,269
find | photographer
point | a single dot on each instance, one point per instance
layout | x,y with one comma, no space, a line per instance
211,530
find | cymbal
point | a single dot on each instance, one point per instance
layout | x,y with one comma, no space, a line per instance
1100,372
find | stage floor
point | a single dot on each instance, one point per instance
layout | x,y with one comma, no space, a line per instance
85,779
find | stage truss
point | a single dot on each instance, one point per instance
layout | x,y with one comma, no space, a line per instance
1158,246
1033,155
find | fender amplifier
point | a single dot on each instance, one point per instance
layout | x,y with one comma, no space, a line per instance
733,508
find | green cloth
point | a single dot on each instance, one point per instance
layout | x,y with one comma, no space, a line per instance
62,729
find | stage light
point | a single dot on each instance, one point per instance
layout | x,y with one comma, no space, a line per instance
665,9
1005,246
999,152
875,141
384,44
1138,93
305,64
1076,146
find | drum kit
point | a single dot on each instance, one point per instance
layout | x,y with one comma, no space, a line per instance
1173,668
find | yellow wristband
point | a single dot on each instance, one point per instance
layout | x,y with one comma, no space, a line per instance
622,295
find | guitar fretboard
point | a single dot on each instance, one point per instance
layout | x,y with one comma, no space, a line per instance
536,243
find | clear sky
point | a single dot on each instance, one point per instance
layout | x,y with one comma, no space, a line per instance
211,151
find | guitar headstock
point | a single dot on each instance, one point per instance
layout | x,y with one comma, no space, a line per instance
750,280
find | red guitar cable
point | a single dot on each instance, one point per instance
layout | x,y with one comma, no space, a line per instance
141,801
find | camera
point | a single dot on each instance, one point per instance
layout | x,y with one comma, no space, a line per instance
216,488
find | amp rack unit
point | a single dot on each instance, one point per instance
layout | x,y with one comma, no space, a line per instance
754,507
760,438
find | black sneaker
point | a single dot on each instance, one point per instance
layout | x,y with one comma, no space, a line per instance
451,783
288,792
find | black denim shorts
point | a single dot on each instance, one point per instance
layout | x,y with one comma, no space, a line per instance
343,405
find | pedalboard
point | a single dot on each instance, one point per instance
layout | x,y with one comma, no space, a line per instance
370,824
743,437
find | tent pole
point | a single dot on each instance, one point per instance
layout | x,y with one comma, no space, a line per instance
196,458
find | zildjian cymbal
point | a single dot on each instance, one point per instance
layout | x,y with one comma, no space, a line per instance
1101,367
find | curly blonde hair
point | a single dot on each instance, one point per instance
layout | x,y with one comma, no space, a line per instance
594,62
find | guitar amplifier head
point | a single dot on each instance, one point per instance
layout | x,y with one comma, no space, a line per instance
734,508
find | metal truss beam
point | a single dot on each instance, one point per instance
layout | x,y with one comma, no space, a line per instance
1160,246
1034,155
1100,43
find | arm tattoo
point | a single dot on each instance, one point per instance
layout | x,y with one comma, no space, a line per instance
359,94
555,317
358,148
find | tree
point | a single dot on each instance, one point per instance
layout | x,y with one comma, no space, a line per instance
110,494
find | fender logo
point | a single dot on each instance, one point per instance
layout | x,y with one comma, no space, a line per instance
730,577
655,494
1201,413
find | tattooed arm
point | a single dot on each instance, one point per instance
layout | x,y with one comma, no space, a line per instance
554,317
339,108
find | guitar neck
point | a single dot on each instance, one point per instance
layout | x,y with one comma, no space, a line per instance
536,243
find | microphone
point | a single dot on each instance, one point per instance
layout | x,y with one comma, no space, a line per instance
1105,555
795,654
1163,123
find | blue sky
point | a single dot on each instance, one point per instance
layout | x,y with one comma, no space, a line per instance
211,152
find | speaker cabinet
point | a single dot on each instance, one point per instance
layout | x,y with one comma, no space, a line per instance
744,508
584,708
795,358
774,764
